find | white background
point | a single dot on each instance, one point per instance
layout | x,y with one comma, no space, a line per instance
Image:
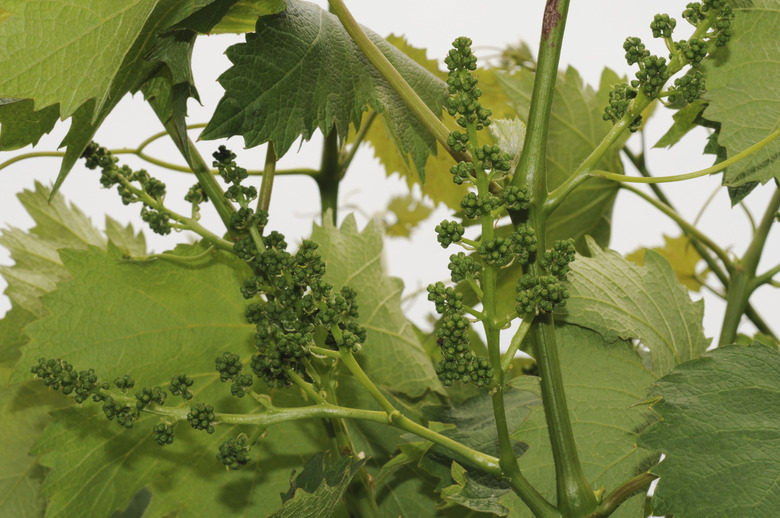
595,33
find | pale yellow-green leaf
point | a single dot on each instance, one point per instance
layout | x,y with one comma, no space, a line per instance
682,257
408,213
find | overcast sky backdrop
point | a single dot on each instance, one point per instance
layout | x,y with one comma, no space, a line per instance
595,33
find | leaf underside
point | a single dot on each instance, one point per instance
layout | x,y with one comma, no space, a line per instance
300,72
720,433
621,300
742,91
603,383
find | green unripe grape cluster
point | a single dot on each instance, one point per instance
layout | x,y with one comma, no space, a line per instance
693,51
124,178
201,417
712,18
662,26
546,292
620,97
234,453
652,75
463,267
180,386
162,434
690,87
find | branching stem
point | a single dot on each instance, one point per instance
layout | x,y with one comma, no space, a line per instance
743,280
574,494
188,223
202,172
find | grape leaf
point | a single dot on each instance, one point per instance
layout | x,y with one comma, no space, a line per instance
321,80
742,91
472,424
125,238
576,128
38,267
476,491
438,179
603,381
231,16
12,336
92,37
391,355
682,257
112,314
106,42
157,298
684,121
26,125
409,493
317,490
408,213
619,299
720,428
25,409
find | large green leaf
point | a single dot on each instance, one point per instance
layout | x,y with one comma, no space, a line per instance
392,354
25,409
603,381
472,424
301,72
685,119
125,238
26,125
38,266
45,41
410,493
720,432
622,300
107,42
113,314
476,491
576,128
742,91
12,337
